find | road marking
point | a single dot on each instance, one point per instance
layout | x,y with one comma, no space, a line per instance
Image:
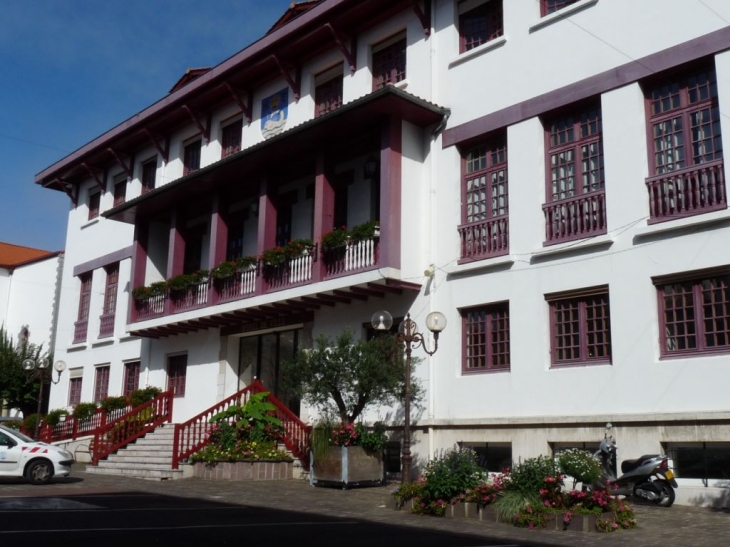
161,528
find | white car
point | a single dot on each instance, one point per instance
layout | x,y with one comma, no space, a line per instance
21,456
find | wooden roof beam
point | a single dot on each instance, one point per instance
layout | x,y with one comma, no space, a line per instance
94,173
156,142
294,80
348,54
246,107
118,157
197,120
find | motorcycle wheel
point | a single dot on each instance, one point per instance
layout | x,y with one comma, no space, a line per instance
667,494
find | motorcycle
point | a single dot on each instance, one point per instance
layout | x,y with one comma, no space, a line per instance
647,477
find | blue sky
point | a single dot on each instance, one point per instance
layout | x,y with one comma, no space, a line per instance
72,69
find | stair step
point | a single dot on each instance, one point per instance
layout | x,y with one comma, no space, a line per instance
125,465
132,459
146,473
142,453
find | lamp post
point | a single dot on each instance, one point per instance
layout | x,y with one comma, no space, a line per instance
408,334
37,369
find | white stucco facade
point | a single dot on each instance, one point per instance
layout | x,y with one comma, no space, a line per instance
601,52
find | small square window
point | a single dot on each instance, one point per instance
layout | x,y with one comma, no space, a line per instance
551,6
486,338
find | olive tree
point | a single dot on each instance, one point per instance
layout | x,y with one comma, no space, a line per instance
342,376
16,387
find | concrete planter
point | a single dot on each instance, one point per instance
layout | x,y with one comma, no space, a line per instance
553,521
244,471
348,466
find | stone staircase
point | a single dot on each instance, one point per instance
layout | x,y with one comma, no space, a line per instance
149,457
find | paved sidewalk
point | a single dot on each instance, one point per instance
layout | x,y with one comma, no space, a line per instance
676,526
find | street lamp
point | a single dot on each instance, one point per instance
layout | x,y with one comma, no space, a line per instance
37,369
408,334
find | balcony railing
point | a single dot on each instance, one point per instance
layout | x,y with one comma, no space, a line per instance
485,238
106,325
80,330
151,307
575,218
352,257
190,298
686,192
241,284
295,271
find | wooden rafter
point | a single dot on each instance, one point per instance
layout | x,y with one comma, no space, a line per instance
385,288
309,299
293,81
333,298
368,292
164,151
127,167
94,173
70,190
424,15
350,294
246,107
350,54
302,305
204,128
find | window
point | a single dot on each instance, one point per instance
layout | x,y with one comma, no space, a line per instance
131,377
328,91
479,22
580,327
94,202
82,323
120,190
494,457
694,314
485,335
685,146
191,157
706,461
149,173
484,231
551,6
101,383
74,391
576,205
231,138
389,61
106,327
177,366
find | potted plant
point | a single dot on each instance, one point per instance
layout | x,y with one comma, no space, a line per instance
365,231
179,282
298,247
224,270
84,411
158,288
342,377
274,257
336,239
141,293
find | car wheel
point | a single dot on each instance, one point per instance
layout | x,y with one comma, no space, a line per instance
40,472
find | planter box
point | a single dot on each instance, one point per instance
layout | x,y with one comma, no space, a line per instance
244,471
347,466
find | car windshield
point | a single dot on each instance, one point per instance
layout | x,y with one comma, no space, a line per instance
17,434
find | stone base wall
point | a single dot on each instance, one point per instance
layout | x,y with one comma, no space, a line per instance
244,471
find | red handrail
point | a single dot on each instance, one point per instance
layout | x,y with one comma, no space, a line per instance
131,425
194,434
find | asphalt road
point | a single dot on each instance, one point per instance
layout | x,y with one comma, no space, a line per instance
141,519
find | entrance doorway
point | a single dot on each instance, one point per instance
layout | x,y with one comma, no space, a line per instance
260,356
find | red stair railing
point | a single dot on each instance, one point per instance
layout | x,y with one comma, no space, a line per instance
194,434
131,425
73,428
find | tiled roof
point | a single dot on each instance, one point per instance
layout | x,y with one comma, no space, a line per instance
190,75
12,256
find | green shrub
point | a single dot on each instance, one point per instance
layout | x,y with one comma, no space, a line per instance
108,404
451,473
84,411
53,417
514,502
528,477
407,491
29,423
581,465
141,396
372,440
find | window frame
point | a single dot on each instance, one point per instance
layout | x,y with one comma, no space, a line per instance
94,203
495,146
547,7
683,112
699,320
101,382
488,10
387,54
177,366
132,371
149,167
192,152
581,297
231,137
487,354
74,390
111,288
324,90
120,190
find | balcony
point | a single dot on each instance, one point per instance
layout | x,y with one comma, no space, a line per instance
106,325
687,192
484,239
80,330
575,218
